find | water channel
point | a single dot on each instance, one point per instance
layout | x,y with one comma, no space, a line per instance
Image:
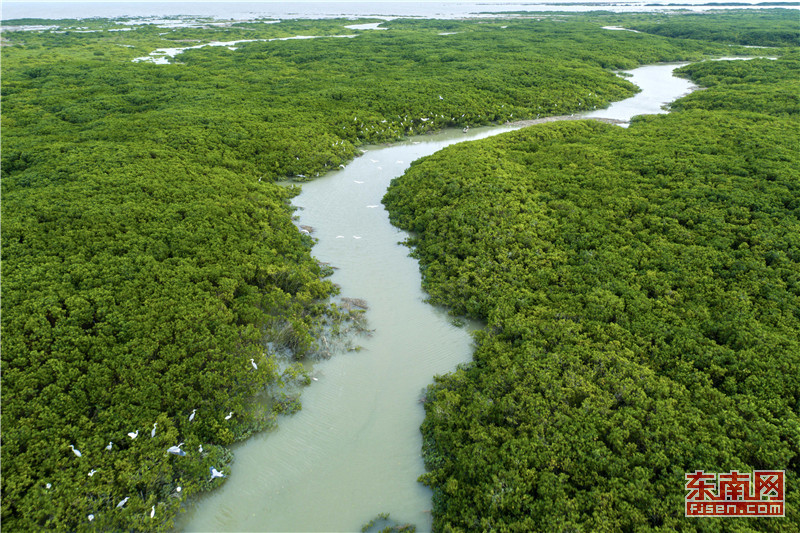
354,449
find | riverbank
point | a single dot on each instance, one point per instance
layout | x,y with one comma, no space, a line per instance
546,120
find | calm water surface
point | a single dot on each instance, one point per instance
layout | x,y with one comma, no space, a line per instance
354,449
330,9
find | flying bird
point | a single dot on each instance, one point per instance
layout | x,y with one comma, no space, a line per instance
176,450
356,237
76,452
215,473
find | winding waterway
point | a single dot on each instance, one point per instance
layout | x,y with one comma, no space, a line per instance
354,449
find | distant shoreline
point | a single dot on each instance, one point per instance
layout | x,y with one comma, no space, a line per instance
361,10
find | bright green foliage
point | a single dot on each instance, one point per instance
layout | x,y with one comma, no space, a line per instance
766,27
133,294
148,255
760,85
641,290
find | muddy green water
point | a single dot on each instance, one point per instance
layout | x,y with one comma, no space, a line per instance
354,449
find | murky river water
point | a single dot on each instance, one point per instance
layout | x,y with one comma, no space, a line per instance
354,449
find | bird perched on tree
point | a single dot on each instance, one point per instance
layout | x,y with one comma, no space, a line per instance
76,452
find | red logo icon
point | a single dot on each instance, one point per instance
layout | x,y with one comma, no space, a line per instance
760,494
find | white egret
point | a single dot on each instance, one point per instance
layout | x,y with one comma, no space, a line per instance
92,472
200,449
359,182
123,502
90,517
152,511
178,489
340,236
153,432
76,452
356,237
133,435
372,206
229,416
255,366
47,485
191,416
176,450
215,473
315,379
110,445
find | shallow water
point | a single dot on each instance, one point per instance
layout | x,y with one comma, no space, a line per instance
354,449
155,9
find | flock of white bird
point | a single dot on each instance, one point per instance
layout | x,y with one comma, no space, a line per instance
173,450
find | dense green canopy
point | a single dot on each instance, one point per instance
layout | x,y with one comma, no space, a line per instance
148,254
641,290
